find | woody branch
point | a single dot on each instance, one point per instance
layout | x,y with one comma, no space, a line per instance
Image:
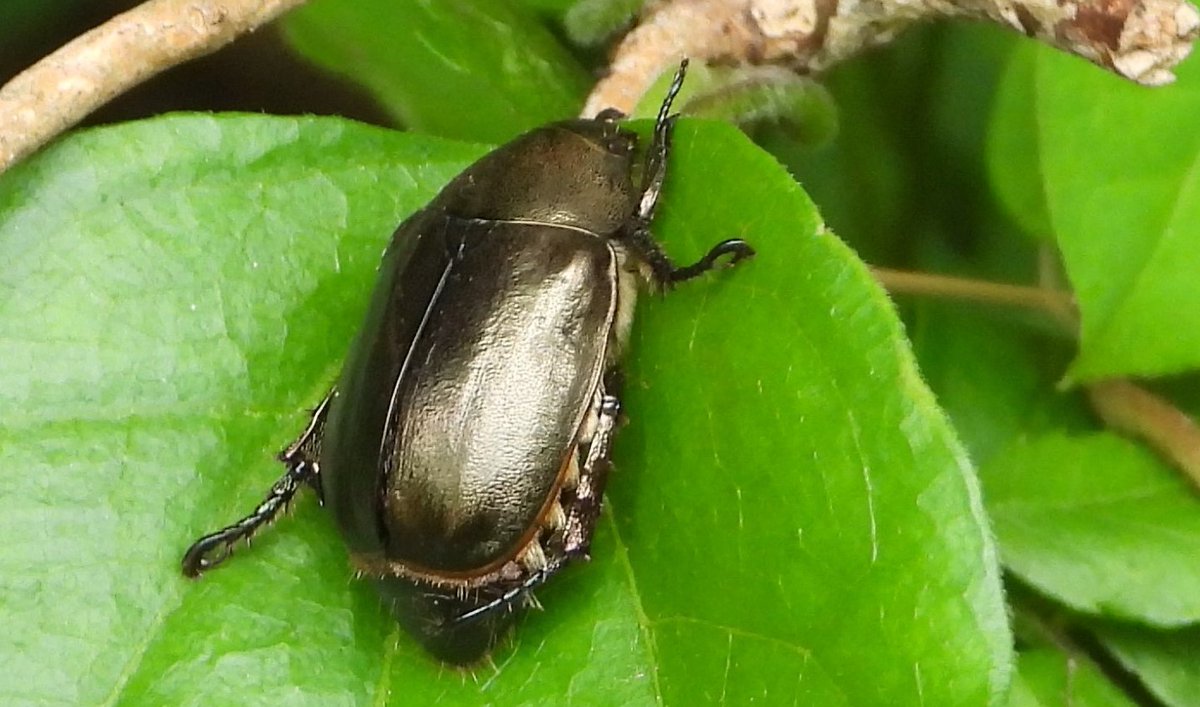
1141,40
60,90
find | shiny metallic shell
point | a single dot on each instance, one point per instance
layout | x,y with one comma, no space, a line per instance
483,348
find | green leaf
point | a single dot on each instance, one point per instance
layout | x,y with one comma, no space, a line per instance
175,293
1099,524
591,22
21,18
992,368
1047,678
1013,154
788,443
863,164
468,69
988,374
1165,661
758,99
790,518
1118,163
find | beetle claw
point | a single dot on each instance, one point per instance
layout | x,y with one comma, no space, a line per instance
737,248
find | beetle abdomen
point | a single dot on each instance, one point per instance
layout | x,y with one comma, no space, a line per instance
493,392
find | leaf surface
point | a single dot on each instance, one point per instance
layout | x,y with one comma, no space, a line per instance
790,519
1165,661
1047,678
1118,170
1099,524
466,69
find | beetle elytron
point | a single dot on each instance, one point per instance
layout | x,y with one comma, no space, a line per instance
465,448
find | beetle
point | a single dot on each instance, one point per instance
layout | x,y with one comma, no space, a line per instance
464,450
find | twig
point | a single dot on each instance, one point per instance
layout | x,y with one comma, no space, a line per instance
1141,40
60,90
1122,405
1059,305
1135,411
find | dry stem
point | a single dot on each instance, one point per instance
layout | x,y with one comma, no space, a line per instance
60,90
1137,412
1059,305
1122,405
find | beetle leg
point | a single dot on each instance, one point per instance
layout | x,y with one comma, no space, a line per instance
582,514
640,237
666,273
307,446
212,549
584,508
660,147
736,248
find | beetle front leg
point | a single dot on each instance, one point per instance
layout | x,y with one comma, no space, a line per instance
307,446
660,146
300,459
640,237
736,248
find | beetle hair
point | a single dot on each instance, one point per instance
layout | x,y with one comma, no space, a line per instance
556,517
533,557
630,269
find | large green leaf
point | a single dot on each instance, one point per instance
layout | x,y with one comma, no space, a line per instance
1117,167
789,443
467,69
1165,661
1099,524
1014,158
1048,678
791,518
987,374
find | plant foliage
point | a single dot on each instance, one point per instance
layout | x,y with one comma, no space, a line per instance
795,515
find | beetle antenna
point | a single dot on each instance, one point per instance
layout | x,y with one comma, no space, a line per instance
662,128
